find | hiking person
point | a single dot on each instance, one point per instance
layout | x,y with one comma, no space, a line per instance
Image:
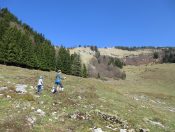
58,82
40,85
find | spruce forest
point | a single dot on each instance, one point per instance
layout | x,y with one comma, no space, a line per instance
21,46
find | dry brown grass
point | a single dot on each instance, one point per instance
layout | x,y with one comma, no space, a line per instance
15,124
87,53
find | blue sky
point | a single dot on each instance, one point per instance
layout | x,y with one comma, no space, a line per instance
99,22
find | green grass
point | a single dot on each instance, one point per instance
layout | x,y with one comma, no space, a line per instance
147,93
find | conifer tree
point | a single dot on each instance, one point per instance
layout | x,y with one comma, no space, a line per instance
84,71
10,45
51,58
67,62
98,75
21,45
3,27
76,66
27,50
64,60
2,54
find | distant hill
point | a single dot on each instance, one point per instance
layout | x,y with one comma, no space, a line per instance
87,53
98,59
129,55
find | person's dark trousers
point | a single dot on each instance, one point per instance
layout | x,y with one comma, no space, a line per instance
39,89
59,83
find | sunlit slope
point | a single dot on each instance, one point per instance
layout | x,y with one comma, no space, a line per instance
146,99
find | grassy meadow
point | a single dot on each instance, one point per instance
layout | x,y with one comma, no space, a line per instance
146,99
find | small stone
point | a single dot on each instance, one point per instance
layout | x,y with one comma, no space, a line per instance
74,116
61,119
31,120
54,113
8,96
79,97
24,108
123,130
20,88
85,106
97,130
31,87
3,88
17,106
56,118
131,130
144,130
59,102
40,112
32,108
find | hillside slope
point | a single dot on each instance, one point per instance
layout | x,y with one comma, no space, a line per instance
138,56
146,99
113,52
20,45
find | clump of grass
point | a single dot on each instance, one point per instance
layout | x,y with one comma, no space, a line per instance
66,99
12,88
15,124
156,119
24,97
90,95
28,97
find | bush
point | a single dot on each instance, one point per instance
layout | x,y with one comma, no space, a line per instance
169,55
97,54
15,124
134,48
156,55
123,76
116,62
94,48
98,76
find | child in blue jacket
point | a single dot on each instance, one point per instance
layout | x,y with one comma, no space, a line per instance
58,82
